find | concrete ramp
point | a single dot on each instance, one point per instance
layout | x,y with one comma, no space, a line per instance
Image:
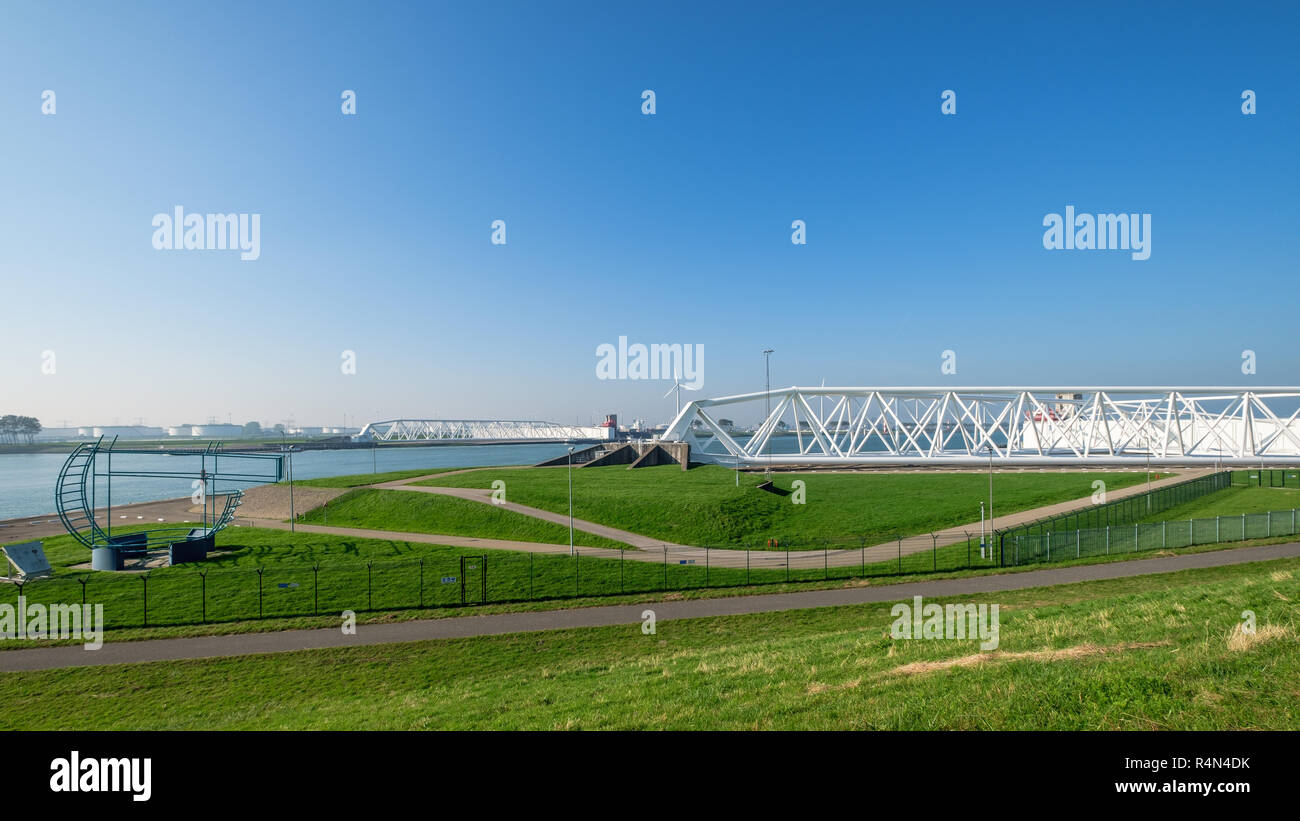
632,454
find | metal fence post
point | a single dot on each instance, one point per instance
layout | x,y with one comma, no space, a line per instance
259,592
934,552
83,590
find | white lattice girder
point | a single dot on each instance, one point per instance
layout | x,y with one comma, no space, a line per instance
478,430
1039,425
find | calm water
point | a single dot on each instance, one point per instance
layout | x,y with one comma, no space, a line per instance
27,479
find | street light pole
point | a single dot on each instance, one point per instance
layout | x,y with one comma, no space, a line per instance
990,494
767,370
293,515
570,501
1148,483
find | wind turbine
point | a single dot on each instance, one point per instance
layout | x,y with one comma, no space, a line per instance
677,387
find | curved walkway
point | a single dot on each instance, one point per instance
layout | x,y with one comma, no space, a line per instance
131,652
648,549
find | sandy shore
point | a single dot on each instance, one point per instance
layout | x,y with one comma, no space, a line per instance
264,502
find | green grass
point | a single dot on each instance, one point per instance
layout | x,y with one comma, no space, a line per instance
1232,501
359,479
306,573
413,512
704,507
1143,653
331,574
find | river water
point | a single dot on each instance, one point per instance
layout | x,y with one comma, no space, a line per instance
27,479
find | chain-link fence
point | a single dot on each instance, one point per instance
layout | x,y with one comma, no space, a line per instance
1289,477
1127,510
1018,548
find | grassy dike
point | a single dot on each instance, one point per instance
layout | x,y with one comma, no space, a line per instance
412,512
359,479
1158,652
703,506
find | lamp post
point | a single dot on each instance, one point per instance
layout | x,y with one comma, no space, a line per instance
981,529
990,446
570,501
1148,483
293,515
767,370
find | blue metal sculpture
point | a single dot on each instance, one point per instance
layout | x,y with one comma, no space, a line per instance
77,489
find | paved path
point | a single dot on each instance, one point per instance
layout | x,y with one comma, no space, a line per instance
130,652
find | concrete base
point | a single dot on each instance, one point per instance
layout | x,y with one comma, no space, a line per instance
105,558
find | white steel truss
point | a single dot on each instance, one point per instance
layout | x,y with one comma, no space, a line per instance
478,430
1028,426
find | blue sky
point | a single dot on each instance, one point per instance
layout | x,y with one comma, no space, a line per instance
924,230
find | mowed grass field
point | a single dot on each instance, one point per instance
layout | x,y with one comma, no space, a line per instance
1155,652
359,479
307,573
703,506
412,512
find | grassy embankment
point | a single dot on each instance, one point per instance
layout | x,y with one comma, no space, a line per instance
1163,652
703,506
411,512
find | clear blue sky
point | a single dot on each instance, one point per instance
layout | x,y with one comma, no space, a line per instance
924,231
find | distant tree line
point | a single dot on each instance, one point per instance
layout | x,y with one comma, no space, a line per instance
16,428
